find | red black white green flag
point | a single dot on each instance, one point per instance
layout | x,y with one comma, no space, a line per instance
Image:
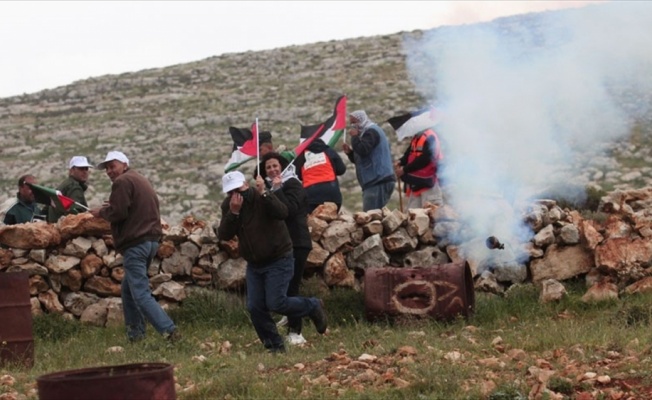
245,146
53,197
330,131
409,124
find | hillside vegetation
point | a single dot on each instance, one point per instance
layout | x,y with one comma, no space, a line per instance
172,122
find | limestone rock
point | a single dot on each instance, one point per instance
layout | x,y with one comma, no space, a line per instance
60,264
230,274
551,290
561,263
83,224
336,272
32,235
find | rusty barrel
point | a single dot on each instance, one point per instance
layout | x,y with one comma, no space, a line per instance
16,337
153,381
441,291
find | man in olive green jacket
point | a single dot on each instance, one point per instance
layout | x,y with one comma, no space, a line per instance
74,187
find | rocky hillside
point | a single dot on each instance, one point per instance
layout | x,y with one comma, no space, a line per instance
173,122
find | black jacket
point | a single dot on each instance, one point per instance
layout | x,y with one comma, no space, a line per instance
260,227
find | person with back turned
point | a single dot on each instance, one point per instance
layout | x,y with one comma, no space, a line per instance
133,211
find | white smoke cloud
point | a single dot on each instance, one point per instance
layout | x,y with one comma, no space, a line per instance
524,104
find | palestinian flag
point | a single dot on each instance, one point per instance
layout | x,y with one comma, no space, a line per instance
245,146
330,131
52,197
408,125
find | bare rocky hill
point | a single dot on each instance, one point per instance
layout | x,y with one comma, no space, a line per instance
173,122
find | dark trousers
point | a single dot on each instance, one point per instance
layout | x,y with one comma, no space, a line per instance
300,258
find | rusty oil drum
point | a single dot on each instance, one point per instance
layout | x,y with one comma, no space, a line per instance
153,381
16,337
442,292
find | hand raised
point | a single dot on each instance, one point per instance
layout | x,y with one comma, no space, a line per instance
260,184
236,203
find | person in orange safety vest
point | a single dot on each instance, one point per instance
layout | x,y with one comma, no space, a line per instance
318,168
418,170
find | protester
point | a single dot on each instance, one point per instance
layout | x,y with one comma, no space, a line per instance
257,217
290,191
418,169
133,211
318,167
74,187
24,209
265,146
370,152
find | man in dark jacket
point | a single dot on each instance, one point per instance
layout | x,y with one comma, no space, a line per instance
370,152
74,187
257,217
24,209
318,168
133,211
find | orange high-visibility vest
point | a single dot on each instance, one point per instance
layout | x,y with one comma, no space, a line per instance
417,145
317,169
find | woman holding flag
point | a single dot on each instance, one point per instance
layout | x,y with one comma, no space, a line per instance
288,188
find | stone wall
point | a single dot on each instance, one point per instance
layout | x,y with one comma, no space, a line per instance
75,270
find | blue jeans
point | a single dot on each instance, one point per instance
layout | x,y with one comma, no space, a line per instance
377,196
138,304
267,286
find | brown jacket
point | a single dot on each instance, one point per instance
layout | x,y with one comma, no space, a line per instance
133,211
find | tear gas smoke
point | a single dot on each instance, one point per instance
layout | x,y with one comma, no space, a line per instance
529,102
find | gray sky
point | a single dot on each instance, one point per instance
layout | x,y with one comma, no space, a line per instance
46,44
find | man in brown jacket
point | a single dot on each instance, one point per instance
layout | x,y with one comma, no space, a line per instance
133,211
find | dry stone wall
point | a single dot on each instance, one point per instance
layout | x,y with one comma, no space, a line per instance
75,270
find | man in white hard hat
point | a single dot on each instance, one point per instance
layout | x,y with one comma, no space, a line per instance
74,186
133,211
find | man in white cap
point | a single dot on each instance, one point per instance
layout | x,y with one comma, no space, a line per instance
133,211
74,187
257,217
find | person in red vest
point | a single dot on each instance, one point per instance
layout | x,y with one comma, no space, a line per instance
318,168
418,170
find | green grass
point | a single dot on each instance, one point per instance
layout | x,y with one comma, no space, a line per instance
587,334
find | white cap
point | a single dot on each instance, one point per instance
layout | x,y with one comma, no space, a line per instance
232,180
79,161
113,155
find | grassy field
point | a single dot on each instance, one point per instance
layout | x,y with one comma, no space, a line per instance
511,348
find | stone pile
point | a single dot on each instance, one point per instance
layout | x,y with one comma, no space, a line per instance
75,270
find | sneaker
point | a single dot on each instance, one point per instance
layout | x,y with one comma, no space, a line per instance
173,336
283,321
295,338
318,317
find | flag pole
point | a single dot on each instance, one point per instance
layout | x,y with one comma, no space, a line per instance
257,148
82,206
400,193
